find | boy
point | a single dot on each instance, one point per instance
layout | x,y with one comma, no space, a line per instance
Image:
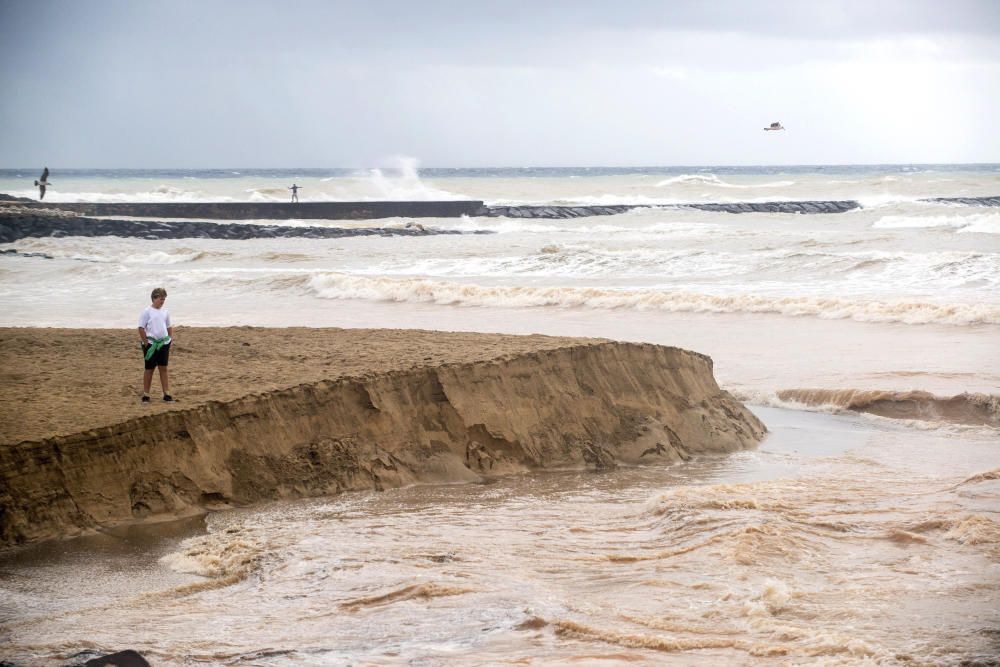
156,335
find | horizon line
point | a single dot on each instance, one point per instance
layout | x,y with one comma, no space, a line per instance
592,166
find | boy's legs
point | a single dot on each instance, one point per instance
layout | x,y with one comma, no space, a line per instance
147,380
164,379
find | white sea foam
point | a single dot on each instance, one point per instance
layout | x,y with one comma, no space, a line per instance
178,256
107,251
978,223
929,270
268,194
700,179
888,200
861,273
571,260
421,290
508,225
607,199
637,229
159,194
715,181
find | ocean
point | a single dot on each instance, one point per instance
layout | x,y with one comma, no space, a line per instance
864,529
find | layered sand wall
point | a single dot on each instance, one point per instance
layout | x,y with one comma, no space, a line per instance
592,405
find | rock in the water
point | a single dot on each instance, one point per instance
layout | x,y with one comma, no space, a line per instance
126,658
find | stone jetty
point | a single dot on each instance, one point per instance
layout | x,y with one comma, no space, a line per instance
21,218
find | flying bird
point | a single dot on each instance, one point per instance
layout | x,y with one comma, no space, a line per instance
774,126
42,184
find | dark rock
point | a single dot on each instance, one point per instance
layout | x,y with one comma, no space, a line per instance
776,207
553,212
19,227
127,658
14,252
4,197
967,201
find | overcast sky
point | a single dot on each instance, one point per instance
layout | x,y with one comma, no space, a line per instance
244,83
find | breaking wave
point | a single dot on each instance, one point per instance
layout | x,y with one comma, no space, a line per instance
974,409
107,253
412,592
591,200
178,256
420,290
268,194
158,194
977,223
713,180
223,559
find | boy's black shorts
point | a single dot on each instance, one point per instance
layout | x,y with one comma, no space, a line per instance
160,358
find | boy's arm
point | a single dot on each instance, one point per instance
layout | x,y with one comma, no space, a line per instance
170,332
142,336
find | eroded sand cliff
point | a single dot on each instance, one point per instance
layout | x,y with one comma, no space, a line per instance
534,402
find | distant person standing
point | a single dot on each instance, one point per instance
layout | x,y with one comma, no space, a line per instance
295,193
156,335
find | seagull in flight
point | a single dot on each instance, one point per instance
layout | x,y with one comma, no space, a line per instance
774,126
42,184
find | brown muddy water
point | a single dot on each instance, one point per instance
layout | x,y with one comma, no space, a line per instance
841,540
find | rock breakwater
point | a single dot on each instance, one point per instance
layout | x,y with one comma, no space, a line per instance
968,201
312,210
21,219
16,227
801,207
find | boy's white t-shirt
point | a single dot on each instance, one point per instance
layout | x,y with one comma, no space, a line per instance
155,321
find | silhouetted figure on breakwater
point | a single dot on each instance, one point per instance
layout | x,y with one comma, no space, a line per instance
295,192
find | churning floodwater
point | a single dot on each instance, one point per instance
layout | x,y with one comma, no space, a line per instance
845,538
841,540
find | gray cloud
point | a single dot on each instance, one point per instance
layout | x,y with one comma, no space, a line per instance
116,83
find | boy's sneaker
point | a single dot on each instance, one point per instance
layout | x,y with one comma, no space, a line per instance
168,398
145,398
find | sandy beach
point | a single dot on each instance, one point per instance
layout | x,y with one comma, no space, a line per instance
63,381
